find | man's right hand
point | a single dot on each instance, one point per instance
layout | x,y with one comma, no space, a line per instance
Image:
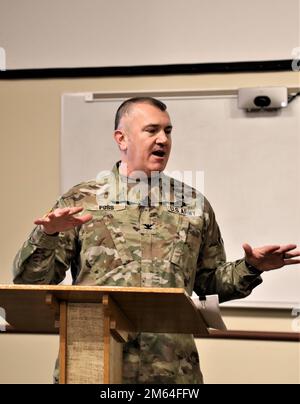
60,220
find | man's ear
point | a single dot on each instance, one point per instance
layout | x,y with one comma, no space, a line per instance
121,139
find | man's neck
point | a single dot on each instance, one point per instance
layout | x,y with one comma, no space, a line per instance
125,171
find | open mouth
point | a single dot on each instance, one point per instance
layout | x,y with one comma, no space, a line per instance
159,153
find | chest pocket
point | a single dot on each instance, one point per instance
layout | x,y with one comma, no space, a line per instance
112,220
187,242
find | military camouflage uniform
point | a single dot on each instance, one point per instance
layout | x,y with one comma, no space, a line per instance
175,243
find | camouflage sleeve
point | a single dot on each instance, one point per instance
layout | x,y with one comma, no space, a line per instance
230,280
44,259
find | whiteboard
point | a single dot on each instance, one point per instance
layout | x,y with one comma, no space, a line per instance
250,165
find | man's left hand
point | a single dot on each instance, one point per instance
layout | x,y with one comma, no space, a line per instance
271,257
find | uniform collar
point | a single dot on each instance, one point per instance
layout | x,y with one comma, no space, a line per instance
159,189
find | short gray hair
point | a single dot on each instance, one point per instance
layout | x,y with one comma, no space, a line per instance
126,105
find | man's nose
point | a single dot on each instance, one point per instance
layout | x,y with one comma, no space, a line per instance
162,137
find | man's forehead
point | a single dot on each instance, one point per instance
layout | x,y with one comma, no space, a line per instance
145,111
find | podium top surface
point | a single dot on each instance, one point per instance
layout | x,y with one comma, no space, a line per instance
148,309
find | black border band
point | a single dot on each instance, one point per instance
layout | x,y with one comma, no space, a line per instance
149,70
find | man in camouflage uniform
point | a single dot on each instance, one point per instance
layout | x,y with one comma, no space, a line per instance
137,227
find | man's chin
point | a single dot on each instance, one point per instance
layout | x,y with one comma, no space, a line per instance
154,167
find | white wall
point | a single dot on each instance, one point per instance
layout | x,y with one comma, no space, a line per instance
77,33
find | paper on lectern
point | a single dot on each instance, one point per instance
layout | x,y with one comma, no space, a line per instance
210,310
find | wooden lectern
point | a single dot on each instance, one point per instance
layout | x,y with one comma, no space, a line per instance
94,321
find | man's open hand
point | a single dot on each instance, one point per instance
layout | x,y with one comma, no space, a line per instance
271,257
60,220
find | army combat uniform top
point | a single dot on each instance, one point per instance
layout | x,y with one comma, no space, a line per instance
164,237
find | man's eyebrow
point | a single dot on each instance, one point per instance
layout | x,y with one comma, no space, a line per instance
155,126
